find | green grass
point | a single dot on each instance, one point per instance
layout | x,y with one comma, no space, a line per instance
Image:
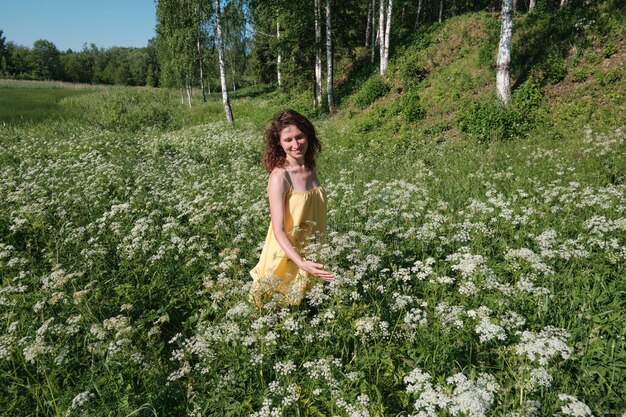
24,102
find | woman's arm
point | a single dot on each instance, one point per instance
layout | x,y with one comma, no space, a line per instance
276,191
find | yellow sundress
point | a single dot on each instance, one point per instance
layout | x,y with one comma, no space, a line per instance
276,274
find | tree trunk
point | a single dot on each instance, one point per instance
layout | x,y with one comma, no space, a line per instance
419,12
563,4
374,31
531,5
220,52
384,61
440,11
318,53
503,81
278,58
329,56
367,26
201,71
189,91
381,33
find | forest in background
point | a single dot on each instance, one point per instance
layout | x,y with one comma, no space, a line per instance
261,40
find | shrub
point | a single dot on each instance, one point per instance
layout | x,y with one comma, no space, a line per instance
409,106
489,119
374,88
374,119
553,66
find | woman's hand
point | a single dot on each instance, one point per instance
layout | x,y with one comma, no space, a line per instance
317,270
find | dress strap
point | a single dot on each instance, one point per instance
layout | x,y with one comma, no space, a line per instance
287,177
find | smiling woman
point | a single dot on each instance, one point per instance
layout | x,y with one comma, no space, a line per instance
297,211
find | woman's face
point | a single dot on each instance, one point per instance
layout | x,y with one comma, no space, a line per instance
293,142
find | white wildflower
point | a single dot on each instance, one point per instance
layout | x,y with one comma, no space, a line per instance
574,407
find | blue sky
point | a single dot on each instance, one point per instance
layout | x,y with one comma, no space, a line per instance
71,23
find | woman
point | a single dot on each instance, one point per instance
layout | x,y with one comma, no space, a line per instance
297,211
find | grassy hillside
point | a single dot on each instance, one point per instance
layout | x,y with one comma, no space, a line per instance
567,73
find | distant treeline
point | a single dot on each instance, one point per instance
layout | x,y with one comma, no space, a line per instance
44,61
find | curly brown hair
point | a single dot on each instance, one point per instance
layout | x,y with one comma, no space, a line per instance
273,154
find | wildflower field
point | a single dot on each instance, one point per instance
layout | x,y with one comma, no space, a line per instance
472,279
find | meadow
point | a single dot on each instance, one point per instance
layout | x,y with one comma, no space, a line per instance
28,101
473,279
480,252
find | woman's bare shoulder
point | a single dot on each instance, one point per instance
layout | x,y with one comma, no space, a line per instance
278,179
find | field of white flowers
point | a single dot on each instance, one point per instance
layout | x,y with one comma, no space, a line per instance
472,280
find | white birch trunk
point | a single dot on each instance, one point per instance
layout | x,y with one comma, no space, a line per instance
201,71
419,12
318,53
220,52
381,33
374,31
532,4
182,95
563,4
188,90
278,59
440,11
368,25
329,56
384,61
503,81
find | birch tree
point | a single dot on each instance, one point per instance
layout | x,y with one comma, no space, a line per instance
374,31
177,27
384,28
370,11
318,52
381,33
278,58
220,51
329,55
387,37
503,82
419,12
440,11
531,5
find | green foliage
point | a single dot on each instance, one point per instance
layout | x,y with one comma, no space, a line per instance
374,119
408,68
488,119
553,66
373,89
409,106
611,76
126,110
610,47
